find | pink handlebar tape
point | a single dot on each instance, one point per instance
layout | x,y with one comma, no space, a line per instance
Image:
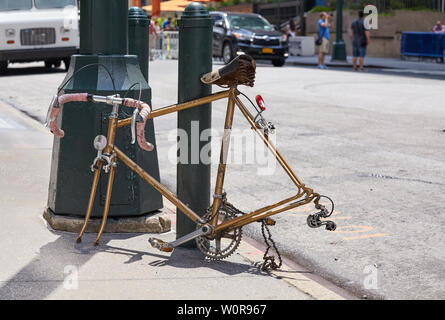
83,97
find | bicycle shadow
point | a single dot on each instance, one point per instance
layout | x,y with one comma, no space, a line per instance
185,258
192,258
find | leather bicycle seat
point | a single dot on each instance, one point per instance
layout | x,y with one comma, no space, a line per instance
240,70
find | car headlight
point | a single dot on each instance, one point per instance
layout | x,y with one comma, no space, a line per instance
10,32
242,36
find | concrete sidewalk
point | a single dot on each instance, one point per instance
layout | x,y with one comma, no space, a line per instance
40,263
370,62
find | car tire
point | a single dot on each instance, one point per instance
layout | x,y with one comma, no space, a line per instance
3,67
278,62
227,54
52,63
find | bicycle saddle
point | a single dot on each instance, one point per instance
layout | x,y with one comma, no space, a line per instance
240,70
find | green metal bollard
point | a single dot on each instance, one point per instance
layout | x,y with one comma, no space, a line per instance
103,35
195,59
103,27
138,26
339,47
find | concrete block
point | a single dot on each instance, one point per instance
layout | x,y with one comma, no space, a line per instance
157,222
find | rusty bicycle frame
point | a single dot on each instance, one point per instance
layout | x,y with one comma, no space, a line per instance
303,196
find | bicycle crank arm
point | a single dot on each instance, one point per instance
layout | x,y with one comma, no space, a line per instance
169,246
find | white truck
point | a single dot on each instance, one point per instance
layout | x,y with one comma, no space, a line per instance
38,30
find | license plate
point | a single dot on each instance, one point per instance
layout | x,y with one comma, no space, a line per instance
267,50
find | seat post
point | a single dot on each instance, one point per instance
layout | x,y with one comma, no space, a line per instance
217,196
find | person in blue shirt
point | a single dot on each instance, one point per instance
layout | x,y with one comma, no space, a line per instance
323,33
167,24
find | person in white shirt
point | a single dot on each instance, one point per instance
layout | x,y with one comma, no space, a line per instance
439,27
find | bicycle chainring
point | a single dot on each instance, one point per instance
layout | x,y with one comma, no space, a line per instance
225,242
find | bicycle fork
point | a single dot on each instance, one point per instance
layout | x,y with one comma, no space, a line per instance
108,157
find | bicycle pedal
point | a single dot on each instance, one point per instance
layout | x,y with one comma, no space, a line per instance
160,245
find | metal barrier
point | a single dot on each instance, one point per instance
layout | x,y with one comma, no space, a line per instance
302,46
166,45
422,44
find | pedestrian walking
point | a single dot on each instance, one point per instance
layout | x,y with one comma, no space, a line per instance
153,36
323,39
360,40
291,30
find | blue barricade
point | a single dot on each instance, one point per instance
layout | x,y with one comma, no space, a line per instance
422,44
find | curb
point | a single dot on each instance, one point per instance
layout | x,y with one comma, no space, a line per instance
293,275
27,118
334,65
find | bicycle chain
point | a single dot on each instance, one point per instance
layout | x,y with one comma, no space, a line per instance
268,260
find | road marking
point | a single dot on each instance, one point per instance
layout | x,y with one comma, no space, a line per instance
365,236
361,229
302,209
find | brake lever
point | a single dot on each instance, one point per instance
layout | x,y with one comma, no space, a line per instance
133,125
54,103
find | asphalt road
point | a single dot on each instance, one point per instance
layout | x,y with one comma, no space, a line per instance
371,141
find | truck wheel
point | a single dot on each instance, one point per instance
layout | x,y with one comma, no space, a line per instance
278,62
66,61
227,53
3,67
